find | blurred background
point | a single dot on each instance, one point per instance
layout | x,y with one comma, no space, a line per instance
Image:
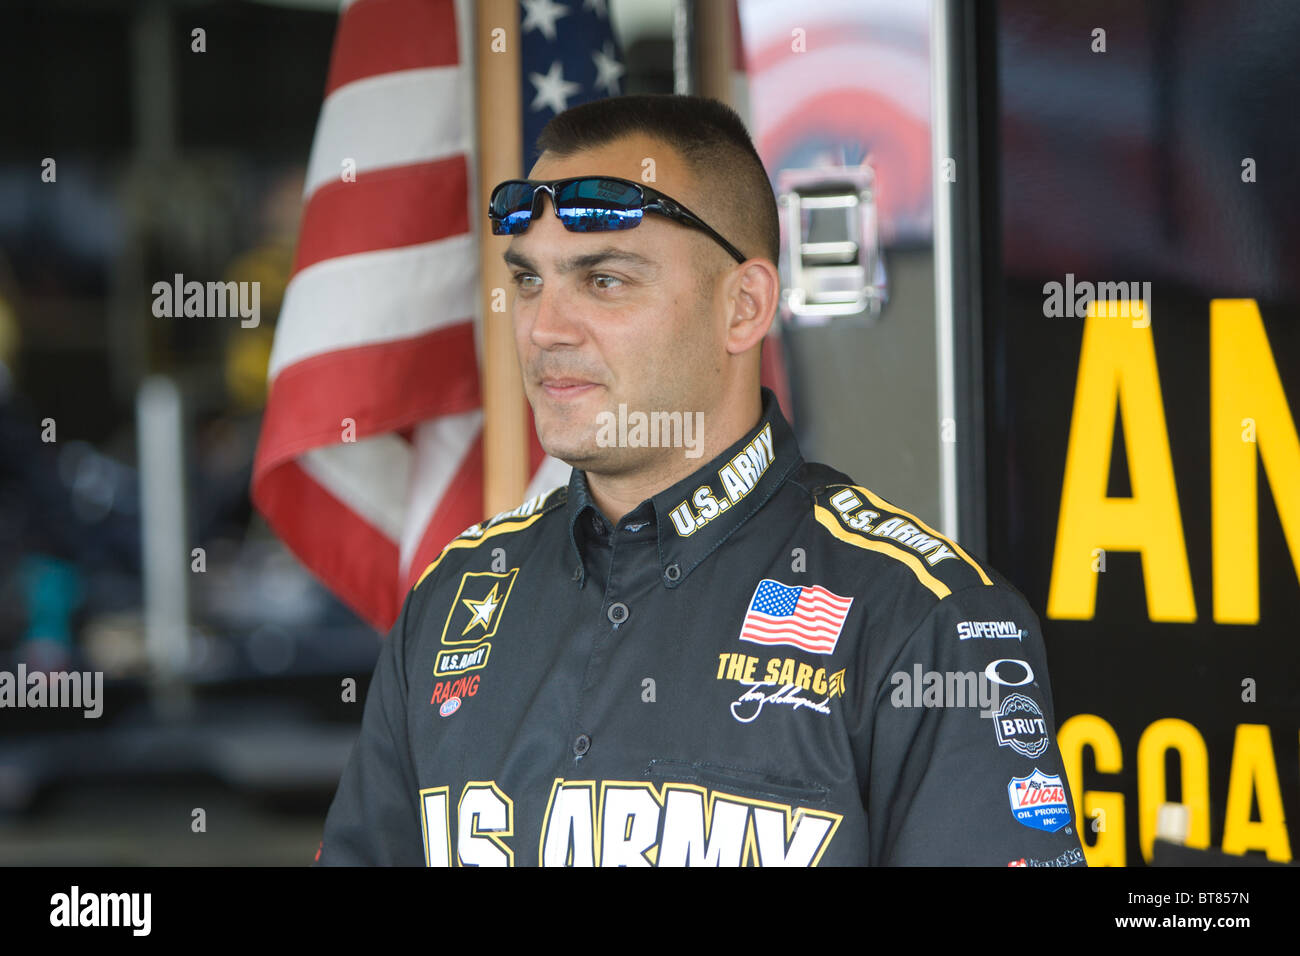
168,160
938,165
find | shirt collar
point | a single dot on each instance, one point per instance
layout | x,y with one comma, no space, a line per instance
694,516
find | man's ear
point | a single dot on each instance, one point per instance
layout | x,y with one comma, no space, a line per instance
752,301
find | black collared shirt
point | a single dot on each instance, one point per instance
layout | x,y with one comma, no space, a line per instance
765,663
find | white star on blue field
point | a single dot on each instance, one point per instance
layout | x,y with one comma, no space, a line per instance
570,56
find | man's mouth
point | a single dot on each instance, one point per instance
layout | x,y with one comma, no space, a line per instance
563,388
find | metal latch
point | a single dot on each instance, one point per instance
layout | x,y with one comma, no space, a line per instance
831,262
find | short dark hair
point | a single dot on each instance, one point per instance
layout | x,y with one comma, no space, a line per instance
710,138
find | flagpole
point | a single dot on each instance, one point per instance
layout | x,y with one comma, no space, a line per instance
715,48
500,148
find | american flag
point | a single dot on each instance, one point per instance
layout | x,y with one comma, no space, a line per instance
810,617
370,456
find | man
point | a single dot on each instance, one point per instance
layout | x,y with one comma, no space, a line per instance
703,650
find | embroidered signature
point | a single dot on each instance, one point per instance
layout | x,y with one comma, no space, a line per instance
786,694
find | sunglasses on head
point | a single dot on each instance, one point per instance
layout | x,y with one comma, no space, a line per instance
590,204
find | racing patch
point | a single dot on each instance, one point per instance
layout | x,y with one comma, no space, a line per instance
444,692
1038,801
808,617
1020,725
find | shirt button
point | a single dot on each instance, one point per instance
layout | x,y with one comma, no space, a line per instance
617,612
673,572
581,745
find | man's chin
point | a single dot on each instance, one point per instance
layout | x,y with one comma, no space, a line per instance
581,451
567,433
580,455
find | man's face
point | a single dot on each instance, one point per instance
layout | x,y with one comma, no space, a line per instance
609,318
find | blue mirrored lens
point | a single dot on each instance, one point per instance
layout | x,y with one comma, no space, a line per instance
512,224
587,219
512,208
586,205
598,205
600,193
511,198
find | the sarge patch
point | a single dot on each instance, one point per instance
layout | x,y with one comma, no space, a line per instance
780,682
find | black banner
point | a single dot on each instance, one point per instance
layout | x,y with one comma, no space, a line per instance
1142,371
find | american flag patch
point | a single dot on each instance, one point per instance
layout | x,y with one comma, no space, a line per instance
809,618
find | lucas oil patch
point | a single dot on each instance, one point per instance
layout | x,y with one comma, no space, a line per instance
1038,801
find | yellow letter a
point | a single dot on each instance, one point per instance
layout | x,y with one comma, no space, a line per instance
1117,362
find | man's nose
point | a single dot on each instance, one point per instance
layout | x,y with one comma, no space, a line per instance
553,323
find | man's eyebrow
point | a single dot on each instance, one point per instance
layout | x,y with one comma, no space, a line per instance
587,260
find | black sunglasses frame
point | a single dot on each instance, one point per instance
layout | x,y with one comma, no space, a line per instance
652,200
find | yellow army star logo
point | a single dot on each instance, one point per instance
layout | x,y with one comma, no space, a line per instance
480,601
474,617
482,610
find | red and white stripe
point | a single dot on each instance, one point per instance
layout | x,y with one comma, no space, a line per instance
377,333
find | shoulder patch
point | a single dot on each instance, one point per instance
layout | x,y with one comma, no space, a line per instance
860,517
516,519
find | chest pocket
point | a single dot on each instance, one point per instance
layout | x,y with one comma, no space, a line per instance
739,781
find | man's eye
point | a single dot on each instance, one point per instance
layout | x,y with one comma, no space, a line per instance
611,279
523,280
